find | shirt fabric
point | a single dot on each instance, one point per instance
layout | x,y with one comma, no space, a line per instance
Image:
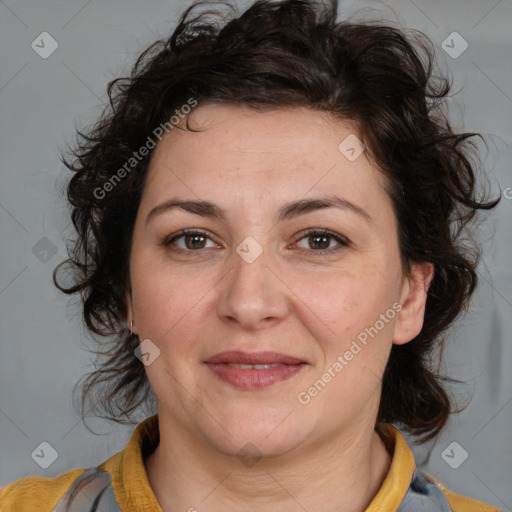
121,485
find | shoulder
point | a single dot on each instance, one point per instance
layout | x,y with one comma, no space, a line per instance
36,492
459,503
76,491
417,491
73,490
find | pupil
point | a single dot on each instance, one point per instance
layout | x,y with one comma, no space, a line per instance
195,238
322,237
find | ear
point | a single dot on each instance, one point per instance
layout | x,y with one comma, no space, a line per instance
414,298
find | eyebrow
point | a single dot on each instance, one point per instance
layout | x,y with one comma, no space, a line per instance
286,212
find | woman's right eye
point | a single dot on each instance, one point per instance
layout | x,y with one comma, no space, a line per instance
191,240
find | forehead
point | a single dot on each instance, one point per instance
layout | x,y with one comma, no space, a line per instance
298,131
288,152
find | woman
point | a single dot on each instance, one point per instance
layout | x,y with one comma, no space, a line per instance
269,207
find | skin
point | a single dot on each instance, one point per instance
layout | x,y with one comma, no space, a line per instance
291,299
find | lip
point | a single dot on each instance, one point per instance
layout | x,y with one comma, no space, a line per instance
250,378
239,357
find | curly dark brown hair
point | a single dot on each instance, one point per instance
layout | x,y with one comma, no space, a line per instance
274,55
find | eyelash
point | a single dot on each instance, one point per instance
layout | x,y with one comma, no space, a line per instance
319,232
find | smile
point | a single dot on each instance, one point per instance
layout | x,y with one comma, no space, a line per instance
254,370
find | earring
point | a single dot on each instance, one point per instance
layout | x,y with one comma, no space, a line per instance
131,330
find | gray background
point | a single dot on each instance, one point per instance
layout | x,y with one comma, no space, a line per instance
42,340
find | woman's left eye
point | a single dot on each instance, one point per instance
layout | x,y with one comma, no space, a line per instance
319,240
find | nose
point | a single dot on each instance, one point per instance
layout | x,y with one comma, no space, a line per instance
253,293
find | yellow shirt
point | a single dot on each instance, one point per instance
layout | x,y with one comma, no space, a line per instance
132,491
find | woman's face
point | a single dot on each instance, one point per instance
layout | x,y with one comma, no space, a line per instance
261,284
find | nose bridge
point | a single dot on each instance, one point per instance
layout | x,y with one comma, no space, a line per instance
252,293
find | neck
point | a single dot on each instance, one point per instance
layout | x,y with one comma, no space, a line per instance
343,475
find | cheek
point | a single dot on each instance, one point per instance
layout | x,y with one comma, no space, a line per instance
356,345
168,305
346,303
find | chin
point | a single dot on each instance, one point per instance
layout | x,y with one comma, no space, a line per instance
258,436
244,447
